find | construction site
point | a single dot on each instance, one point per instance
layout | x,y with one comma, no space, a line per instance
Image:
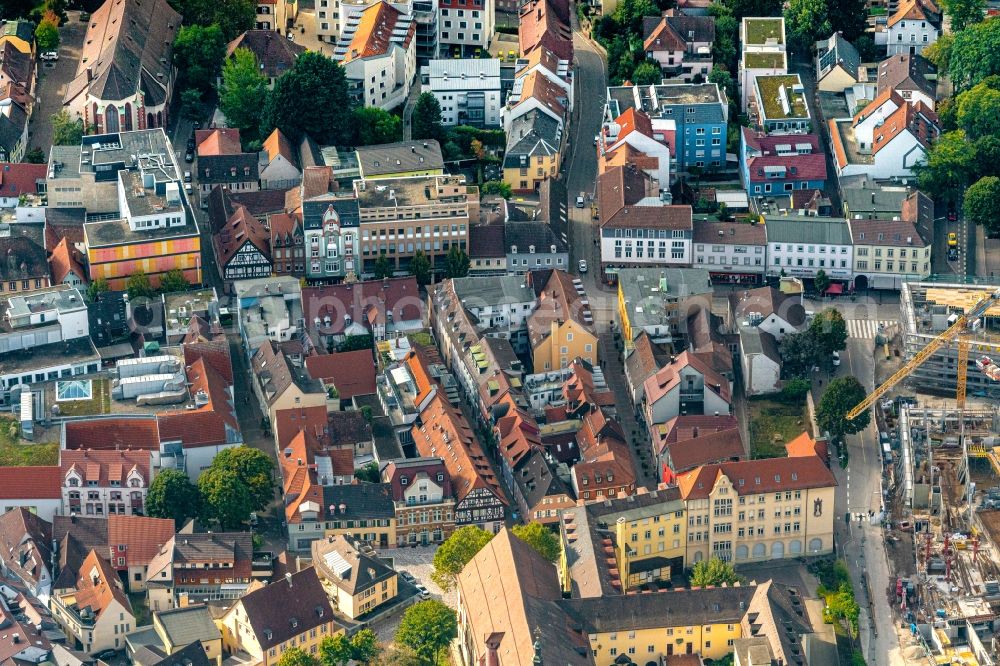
941,473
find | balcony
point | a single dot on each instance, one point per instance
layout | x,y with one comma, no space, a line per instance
262,564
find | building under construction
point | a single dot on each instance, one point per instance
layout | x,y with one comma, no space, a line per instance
927,309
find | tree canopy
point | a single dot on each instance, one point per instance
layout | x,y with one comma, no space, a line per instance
373,126
963,12
311,98
982,203
383,266
805,22
47,33
233,17
198,52
541,538
138,285
243,93
713,572
456,262
65,130
830,331
456,551
647,73
975,53
977,110
340,650
425,121
172,495
297,657
428,628
949,166
420,267
174,280
840,397
237,483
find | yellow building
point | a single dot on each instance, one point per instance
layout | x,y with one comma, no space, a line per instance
562,327
356,580
364,511
173,630
271,619
758,510
20,34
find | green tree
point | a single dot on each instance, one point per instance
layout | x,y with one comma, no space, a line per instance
428,628
982,203
830,331
238,482
243,93
456,551
191,103
420,268
369,473
840,397
497,187
98,286
297,657
356,342
821,281
647,73
805,22
321,81
173,280
172,495
139,286
232,16
425,121
373,126
456,262
963,12
47,35
867,52
949,166
65,130
799,353
383,266
794,390
721,77
713,572
629,14
541,538
977,111
975,54
35,156
848,17
939,52
335,651
724,48
364,646
198,53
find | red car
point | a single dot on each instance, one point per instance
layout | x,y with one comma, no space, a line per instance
952,215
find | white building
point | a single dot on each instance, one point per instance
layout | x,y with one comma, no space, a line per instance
760,361
468,90
888,253
465,26
685,385
764,54
378,51
652,137
801,246
730,249
911,29
768,309
557,70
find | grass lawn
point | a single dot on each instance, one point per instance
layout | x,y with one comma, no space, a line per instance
759,30
15,452
139,607
100,403
772,424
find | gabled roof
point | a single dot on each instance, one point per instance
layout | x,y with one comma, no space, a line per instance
218,141
275,373
25,543
275,54
664,37
33,482
540,26
911,10
361,301
767,301
907,72
558,303
141,536
730,233
128,48
98,586
286,608
620,188
668,377
920,121
532,134
65,260
753,477
549,95
339,559
115,434
400,157
801,156
352,372
20,178
22,257
278,144
377,32
885,233
241,228
188,624
840,52
212,424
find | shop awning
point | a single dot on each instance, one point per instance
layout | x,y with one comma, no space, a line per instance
835,289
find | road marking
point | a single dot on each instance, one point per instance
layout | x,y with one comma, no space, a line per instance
864,329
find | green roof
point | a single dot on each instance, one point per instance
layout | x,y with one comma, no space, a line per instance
768,60
759,30
769,87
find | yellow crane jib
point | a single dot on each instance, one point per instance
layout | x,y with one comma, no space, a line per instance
960,325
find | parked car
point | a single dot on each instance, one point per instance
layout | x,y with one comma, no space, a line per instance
952,254
408,577
952,214
836,359
422,591
105,654
84,17
952,239
580,201
189,157
583,265
187,176
190,143
188,188
50,55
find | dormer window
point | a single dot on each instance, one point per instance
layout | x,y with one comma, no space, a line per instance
440,478
74,482
246,171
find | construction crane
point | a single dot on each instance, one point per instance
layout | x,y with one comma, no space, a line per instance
959,329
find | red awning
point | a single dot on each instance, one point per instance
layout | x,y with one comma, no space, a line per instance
835,288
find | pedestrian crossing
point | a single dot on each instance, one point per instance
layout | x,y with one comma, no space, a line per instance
865,328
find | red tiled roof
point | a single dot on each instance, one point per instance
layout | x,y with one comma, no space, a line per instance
664,38
289,422
634,120
210,424
397,295
891,233
215,352
218,141
352,372
42,482
142,537
113,434
540,25
64,260
804,445
730,233
97,586
240,228
708,447
96,465
667,377
20,178
752,477
919,120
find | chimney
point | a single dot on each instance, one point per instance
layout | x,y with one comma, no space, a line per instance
492,646
288,578
90,73
343,508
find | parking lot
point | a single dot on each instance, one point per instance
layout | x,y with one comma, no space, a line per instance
53,77
418,562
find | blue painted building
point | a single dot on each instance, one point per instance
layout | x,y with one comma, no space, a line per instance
777,164
699,111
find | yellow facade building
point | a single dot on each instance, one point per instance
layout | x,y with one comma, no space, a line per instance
293,612
356,580
562,326
758,510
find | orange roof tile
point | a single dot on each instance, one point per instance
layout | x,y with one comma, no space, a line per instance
113,434
43,482
65,260
538,86
374,33
142,537
920,121
97,586
278,144
352,372
218,141
752,477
